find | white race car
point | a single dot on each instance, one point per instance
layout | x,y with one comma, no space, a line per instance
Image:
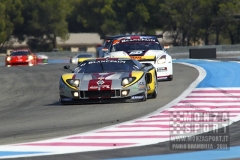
145,49
74,59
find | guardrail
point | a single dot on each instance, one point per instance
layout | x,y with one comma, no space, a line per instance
62,55
229,51
219,48
175,52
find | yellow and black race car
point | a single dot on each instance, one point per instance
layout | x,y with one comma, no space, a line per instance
106,79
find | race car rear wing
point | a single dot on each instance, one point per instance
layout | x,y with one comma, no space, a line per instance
118,36
157,36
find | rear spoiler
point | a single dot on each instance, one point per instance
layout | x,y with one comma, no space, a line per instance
157,36
112,37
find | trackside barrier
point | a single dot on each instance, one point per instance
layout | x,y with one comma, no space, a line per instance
203,53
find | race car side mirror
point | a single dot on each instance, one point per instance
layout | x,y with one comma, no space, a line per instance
66,67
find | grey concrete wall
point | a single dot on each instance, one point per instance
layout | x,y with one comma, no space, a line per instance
231,51
219,48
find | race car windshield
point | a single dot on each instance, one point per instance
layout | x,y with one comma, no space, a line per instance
107,66
107,43
19,53
130,46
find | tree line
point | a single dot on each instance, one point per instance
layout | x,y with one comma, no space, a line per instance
187,22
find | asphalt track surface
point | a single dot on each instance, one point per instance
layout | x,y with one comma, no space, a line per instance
30,111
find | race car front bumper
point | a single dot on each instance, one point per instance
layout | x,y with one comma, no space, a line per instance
115,92
135,98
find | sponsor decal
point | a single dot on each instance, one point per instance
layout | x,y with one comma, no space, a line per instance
141,85
106,86
161,69
135,52
136,57
66,99
136,97
83,64
100,82
93,87
103,86
116,42
107,61
138,40
96,84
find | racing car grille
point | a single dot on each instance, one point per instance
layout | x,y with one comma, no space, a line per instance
97,94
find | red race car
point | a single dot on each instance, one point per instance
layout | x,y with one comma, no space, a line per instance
21,57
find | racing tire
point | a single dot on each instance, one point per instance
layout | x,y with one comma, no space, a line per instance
61,102
154,94
170,78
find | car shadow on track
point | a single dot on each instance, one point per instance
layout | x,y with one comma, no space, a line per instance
100,102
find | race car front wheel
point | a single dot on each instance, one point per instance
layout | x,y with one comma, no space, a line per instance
61,101
154,94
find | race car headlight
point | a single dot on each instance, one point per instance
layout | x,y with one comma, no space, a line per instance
8,58
74,61
124,93
73,82
30,57
161,60
127,80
